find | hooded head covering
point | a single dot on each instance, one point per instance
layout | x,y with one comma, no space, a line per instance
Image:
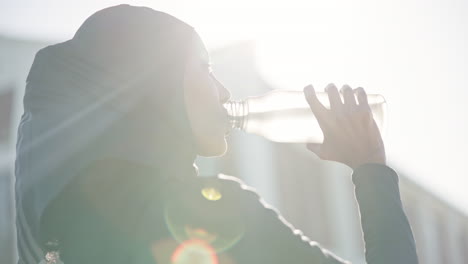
113,90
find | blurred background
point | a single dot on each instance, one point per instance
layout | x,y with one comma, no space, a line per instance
413,52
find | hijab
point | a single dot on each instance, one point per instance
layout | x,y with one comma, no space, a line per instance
112,91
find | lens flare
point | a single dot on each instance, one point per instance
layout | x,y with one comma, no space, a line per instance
200,234
211,194
204,213
194,251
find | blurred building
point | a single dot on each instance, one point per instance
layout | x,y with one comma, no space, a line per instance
317,197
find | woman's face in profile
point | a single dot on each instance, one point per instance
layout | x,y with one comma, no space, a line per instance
204,96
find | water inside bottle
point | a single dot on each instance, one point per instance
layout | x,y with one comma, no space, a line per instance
287,125
285,116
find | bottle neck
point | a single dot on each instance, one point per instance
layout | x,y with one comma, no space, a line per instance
237,113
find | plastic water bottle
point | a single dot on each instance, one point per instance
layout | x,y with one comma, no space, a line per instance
285,116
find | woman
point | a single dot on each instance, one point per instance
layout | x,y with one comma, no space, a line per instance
113,120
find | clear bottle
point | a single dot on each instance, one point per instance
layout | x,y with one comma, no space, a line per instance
285,116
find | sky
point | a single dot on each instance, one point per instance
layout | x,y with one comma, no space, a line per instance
413,52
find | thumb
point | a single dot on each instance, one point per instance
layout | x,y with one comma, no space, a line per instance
314,147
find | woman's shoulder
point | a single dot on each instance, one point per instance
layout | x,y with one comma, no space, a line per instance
235,185
118,171
109,178
237,192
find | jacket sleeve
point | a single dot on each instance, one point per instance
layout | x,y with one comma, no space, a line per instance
269,238
387,233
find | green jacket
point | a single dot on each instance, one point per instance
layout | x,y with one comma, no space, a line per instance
122,212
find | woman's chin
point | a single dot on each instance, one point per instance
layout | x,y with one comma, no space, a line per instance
213,148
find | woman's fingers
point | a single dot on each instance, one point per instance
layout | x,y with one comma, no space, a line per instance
350,135
365,114
334,97
362,98
348,97
317,107
320,113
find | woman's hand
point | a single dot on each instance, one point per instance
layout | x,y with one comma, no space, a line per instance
351,135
